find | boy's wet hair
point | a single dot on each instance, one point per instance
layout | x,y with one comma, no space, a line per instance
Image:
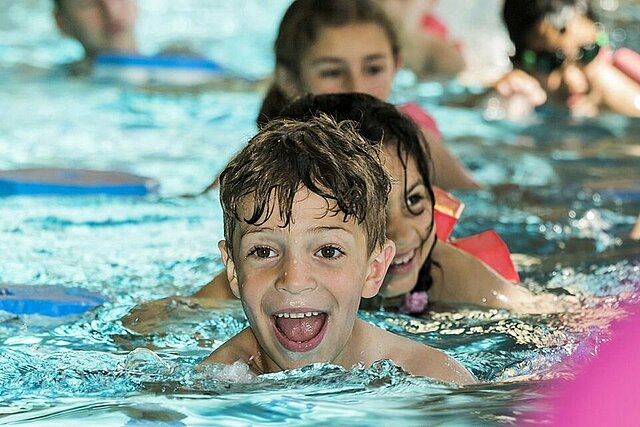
521,17
328,158
378,122
299,29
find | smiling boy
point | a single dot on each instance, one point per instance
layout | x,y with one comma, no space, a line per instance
304,219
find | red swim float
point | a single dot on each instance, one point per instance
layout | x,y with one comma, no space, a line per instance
487,246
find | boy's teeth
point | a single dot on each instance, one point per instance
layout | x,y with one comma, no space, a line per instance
298,315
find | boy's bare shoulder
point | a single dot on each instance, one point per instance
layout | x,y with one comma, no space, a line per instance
423,360
240,347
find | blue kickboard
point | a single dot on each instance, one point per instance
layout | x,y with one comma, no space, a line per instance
65,181
159,61
47,300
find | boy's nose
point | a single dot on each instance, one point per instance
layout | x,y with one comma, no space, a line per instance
295,277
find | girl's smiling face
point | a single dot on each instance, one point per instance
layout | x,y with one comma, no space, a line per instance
409,224
352,58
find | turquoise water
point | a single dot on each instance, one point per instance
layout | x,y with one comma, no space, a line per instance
567,236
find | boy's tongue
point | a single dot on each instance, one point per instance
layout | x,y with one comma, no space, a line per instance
302,329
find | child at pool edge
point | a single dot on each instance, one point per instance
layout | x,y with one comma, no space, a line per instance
304,223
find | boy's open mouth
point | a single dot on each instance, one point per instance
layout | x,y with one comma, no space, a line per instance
301,331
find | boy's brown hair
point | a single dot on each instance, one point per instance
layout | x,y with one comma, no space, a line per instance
330,159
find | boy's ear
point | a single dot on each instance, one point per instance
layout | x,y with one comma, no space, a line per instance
230,268
378,265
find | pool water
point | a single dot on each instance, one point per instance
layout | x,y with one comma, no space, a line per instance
567,231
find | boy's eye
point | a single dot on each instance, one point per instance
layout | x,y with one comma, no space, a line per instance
329,252
262,252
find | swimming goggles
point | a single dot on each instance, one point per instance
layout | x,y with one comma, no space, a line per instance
547,61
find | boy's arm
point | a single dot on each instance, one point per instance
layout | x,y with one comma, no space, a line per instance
243,346
149,316
635,231
218,288
152,316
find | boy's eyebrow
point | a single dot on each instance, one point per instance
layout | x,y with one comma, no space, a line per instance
254,229
317,229
330,228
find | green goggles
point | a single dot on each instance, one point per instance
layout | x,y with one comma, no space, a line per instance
548,61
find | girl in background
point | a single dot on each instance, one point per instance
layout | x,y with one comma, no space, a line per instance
336,46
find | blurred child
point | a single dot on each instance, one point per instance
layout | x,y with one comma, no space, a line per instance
99,26
427,49
303,206
559,43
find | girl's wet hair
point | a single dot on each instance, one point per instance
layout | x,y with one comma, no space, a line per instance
299,29
521,17
378,122
328,158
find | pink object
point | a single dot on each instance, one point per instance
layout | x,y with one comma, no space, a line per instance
431,24
415,302
421,117
605,393
628,62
